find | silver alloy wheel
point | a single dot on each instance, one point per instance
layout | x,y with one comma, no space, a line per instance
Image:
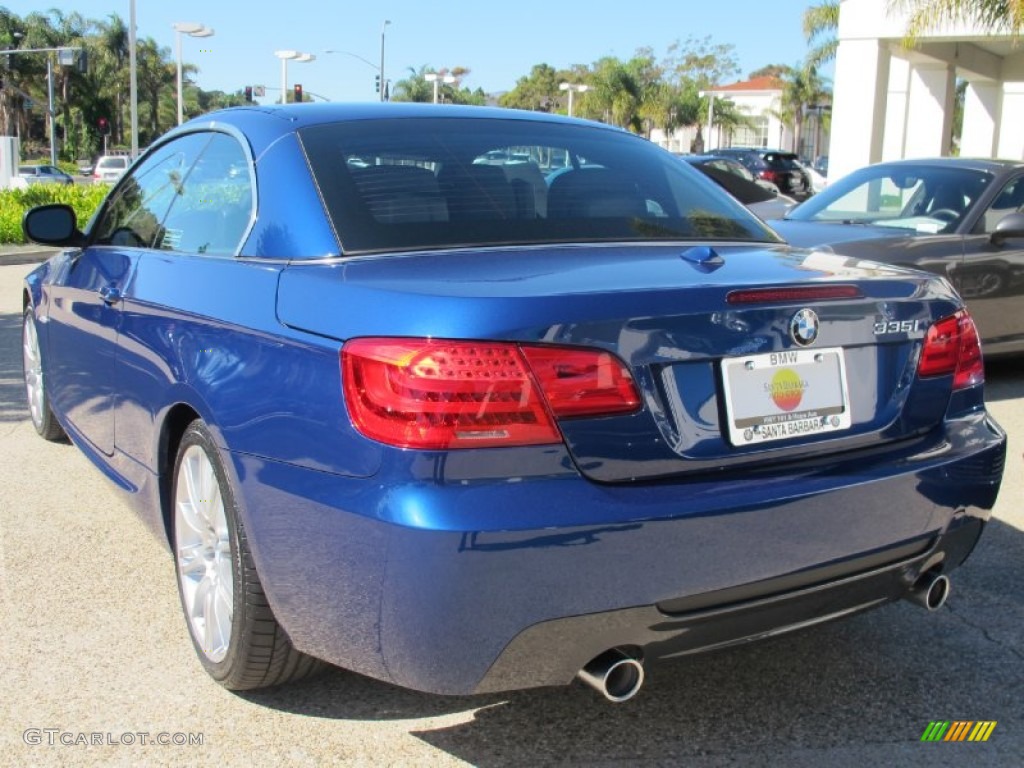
33,362
203,551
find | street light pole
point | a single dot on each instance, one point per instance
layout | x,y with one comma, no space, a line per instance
192,29
383,83
133,80
435,78
50,111
366,61
284,56
573,88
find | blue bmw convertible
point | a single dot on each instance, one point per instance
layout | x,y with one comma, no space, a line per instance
472,400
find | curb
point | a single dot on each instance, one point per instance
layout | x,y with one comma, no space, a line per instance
26,256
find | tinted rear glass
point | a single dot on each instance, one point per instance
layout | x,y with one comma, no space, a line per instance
782,162
442,183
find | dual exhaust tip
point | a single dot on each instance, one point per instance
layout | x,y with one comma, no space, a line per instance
930,591
618,675
614,674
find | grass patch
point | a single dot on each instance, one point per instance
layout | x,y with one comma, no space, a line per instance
84,198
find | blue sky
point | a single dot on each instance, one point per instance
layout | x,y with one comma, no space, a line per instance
498,42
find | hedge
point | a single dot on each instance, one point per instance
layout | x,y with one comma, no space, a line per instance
84,198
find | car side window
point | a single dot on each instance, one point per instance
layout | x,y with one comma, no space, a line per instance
213,208
134,214
1009,200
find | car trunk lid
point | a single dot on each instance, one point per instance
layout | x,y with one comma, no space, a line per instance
718,340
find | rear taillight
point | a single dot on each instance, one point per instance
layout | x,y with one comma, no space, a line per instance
582,382
952,347
431,394
771,175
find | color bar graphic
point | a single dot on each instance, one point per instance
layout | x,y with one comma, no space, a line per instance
958,730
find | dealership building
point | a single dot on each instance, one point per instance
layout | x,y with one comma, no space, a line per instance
891,101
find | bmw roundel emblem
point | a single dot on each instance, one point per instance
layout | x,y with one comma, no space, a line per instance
804,327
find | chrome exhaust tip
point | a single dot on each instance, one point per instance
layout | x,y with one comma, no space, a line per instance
614,674
930,591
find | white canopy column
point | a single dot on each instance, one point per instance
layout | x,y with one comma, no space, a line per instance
980,137
859,107
897,104
1011,137
929,110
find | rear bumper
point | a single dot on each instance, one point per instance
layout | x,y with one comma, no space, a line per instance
454,582
551,653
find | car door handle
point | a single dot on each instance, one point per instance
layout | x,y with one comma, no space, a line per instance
110,294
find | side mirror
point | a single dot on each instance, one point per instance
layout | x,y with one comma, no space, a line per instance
53,224
1011,225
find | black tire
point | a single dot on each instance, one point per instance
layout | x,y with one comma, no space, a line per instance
259,654
43,420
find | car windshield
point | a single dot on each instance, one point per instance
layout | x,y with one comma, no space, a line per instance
925,198
448,183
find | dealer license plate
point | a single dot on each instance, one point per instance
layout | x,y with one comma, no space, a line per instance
785,395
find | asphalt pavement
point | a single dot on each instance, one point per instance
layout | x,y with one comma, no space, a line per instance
97,665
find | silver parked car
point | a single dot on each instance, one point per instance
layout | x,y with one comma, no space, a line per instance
44,174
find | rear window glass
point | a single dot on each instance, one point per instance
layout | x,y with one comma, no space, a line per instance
447,183
785,162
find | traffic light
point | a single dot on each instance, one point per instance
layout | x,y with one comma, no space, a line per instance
104,125
298,93
248,93
376,80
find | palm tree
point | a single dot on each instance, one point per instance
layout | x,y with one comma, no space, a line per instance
616,94
802,87
820,24
156,78
113,63
12,30
56,29
414,87
995,15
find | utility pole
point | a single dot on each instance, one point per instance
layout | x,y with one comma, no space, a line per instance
51,112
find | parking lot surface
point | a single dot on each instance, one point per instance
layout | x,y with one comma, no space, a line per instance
97,666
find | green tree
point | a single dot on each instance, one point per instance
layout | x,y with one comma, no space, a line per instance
457,93
56,29
12,31
820,24
82,98
414,87
802,87
771,70
615,94
537,91
111,67
1004,16
701,62
157,81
